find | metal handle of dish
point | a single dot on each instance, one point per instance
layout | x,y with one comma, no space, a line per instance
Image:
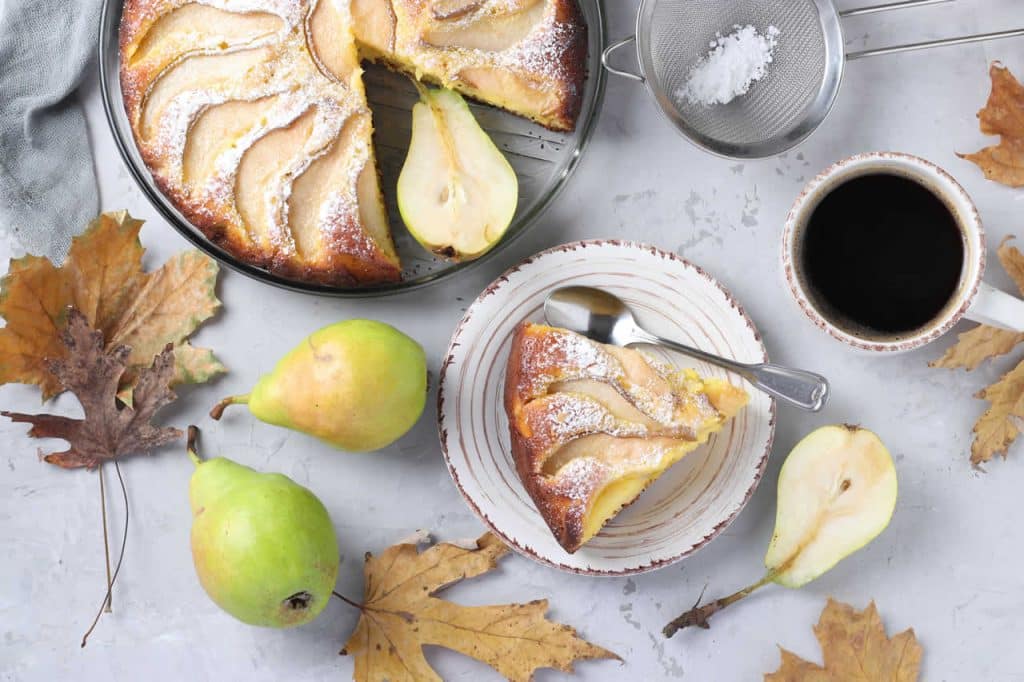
909,47
798,387
606,57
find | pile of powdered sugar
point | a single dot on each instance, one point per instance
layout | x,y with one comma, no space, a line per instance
733,65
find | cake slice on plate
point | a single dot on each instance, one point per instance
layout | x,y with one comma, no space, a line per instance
593,425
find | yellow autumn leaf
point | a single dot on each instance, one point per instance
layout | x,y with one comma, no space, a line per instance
103,278
997,427
1003,115
983,342
401,614
978,345
854,646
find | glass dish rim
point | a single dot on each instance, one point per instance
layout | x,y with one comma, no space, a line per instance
140,175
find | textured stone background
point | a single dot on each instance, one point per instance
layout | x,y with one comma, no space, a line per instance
949,564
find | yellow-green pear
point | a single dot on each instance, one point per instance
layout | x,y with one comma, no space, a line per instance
263,546
457,192
359,385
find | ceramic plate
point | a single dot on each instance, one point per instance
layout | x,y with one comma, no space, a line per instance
692,502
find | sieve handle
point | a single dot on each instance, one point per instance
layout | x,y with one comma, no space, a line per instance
903,4
607,55
1014,33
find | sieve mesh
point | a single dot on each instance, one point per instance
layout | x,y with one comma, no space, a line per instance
675,34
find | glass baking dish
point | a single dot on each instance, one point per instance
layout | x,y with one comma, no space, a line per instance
543,160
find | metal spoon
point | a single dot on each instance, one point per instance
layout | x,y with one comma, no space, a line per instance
605,318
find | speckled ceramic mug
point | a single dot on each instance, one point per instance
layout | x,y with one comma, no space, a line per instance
973,298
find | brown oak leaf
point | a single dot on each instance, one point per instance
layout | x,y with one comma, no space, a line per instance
984,342
108,430
1003,115
103,278
854,647
401,614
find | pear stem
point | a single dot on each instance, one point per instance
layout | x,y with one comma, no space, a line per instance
345,599
218,409
190,444
699,615
420,88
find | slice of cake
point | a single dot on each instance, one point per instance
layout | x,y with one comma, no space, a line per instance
593,425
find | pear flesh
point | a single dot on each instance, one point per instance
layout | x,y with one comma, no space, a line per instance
837,491
358,385
264,547
457,193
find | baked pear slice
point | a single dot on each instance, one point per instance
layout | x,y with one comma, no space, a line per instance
457,193
592,425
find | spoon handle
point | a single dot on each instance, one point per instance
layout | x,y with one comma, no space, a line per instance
800,388
806,390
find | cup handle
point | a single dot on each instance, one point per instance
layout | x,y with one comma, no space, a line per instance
997,309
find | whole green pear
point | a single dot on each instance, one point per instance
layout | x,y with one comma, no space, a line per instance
263,546
359,385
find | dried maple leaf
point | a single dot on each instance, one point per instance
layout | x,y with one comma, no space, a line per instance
103,278
854,647
401,614
108,431
984,342
997,427
1003,115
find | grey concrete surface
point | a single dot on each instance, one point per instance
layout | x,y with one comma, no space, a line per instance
950,564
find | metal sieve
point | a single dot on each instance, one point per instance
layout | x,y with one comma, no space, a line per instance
795,96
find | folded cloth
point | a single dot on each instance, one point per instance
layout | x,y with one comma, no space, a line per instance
48,186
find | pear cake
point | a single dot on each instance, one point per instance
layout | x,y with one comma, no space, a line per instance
593,425
252,117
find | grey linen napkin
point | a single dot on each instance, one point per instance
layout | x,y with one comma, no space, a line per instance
48,186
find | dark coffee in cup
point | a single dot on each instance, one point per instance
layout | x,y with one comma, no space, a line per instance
882,254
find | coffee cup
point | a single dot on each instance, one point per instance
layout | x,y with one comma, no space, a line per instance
886,252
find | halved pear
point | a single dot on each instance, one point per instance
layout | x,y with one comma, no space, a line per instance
837,492
457,193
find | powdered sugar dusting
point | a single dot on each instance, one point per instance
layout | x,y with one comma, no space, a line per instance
560,412
539,55
573,414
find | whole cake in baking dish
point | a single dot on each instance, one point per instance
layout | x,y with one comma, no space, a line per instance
252,117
